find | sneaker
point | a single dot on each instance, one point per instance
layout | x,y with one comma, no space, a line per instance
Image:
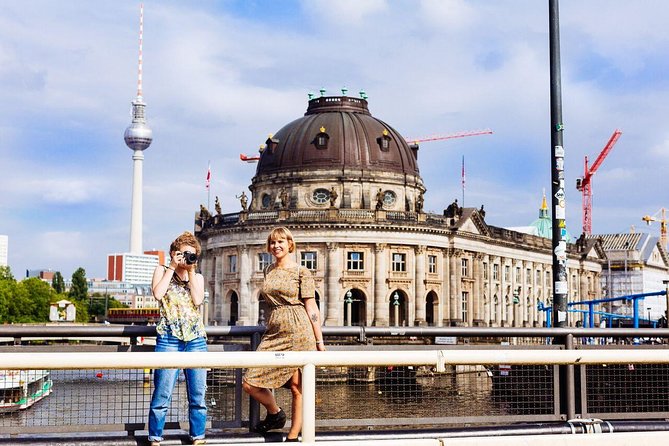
272,421
155,443
200,441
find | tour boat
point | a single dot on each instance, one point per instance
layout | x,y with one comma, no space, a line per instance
20,389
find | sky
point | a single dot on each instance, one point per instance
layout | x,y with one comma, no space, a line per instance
219,76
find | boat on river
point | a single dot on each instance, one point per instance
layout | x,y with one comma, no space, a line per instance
20,389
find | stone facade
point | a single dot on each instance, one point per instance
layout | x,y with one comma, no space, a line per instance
347,186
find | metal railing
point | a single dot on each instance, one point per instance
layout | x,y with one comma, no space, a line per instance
375,377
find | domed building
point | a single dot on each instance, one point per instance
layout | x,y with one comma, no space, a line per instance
348,186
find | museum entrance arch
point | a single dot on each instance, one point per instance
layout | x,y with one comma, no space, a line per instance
355,304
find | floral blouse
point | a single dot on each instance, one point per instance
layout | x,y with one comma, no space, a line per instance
178,314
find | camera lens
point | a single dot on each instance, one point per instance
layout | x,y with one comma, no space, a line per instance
190,257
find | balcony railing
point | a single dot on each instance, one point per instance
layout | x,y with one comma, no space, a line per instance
375,376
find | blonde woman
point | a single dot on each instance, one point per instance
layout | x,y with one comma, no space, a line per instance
294,325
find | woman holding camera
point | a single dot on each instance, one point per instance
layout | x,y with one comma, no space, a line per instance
179,290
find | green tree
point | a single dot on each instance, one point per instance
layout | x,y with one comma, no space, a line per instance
20,306
6,273
79,288
41,295
79,294
6,292
58,283
100,302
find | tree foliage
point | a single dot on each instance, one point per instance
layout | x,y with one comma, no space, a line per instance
79,288
58,283
6,273
25,301
99,303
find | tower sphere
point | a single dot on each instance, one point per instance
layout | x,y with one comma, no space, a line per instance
138,136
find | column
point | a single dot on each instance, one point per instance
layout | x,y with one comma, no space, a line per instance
456,287
445,303
247,312
381,310
502,304
332,288
419,282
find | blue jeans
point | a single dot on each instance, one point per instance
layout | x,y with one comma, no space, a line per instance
164,381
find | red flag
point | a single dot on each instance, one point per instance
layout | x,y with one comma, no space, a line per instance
208,182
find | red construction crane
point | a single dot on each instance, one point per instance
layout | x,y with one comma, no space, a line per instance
449,136
584,185
249,158
254,159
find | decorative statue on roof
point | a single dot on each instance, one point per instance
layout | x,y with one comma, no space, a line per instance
283,198
482,212
333,196
217,206
243,200
453,210
204,213
420,201
379,200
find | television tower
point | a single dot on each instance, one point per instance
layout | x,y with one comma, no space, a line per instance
138,136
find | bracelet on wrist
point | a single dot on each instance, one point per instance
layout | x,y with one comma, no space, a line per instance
319,342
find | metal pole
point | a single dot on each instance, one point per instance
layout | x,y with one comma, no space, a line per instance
308,403
558,214
666,296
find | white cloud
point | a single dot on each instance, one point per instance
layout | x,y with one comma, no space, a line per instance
344,12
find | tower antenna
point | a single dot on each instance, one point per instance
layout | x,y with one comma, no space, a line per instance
141,39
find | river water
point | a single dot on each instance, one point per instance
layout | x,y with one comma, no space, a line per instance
112,397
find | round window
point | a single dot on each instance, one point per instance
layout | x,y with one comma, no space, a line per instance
389,198
321,196
266,201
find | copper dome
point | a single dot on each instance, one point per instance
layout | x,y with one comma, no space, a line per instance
338,132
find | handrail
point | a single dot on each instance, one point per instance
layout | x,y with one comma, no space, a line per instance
309,360
360,332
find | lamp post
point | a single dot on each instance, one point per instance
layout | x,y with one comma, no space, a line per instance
205,309
349,301
649,321
396,304
666,296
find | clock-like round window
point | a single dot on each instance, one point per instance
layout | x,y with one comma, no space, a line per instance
266,201
389,198
321,196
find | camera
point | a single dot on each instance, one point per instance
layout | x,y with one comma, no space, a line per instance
190,257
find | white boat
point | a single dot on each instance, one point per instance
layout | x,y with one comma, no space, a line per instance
20,389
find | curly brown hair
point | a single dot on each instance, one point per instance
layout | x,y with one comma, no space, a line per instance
187,238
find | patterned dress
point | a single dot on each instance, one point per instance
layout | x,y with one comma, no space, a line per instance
289,327
178,314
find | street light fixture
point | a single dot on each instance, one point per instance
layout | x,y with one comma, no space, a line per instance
396,304
349,302
205,309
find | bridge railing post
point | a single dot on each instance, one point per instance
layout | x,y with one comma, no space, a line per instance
309,403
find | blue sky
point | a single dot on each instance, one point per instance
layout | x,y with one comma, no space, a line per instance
219,76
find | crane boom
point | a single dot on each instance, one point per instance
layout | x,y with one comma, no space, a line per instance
605,151
248,158
449,136
584,184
